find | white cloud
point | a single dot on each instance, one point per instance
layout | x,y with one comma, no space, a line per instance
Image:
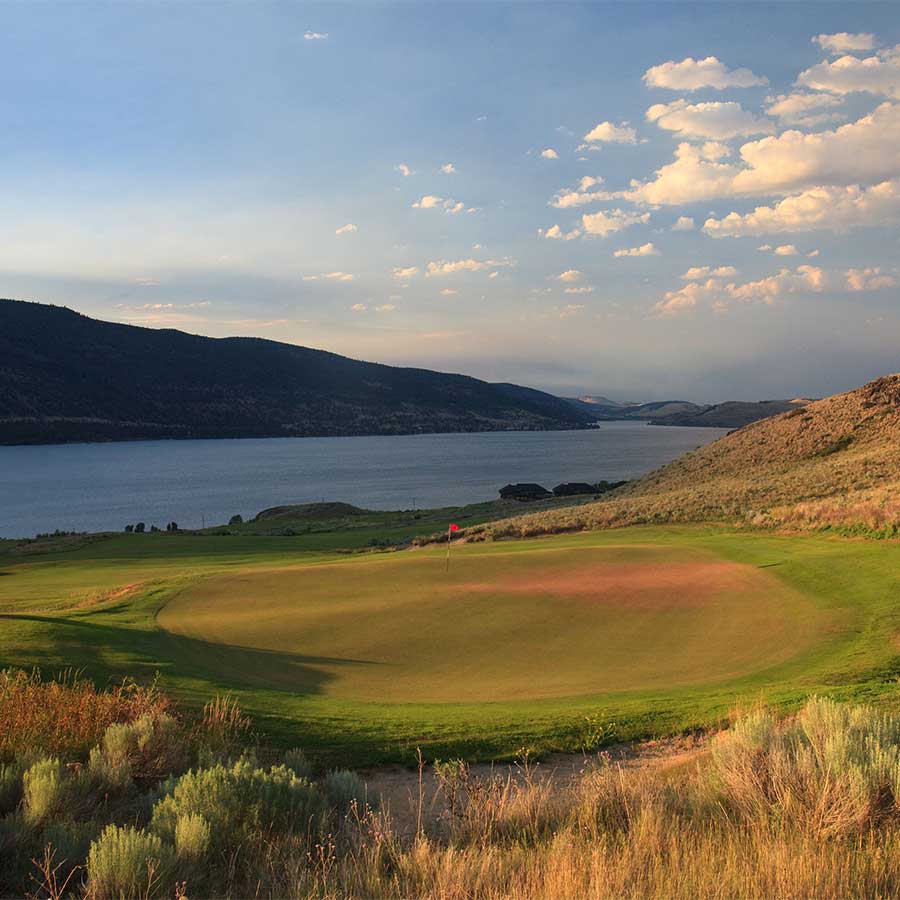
454,207
716,120
801,108
764,248
842,42
331,276
719,294
346,229
549,153
608,133
683,223
847,74
493,275
443,267
448,169
818,209
786,250
404,170
315,36
584,289
385,307
859,152
570,275
872,279
404,273
698,273
555,233
644,250
359,307
812,253
581,195
692,74
609,221
448,292
429,201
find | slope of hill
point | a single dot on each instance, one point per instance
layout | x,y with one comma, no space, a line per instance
65,377
601,409
733,414
834,462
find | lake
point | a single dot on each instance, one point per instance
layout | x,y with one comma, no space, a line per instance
103,487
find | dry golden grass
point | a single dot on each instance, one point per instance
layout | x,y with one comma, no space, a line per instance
833,463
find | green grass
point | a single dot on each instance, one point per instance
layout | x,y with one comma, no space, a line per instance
365,657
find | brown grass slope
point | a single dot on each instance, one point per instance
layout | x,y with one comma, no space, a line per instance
835,462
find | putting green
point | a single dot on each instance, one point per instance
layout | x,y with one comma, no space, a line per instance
551,623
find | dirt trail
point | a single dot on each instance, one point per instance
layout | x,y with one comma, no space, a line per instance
398,787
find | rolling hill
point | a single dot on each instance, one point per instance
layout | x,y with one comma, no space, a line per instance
831,463
67,377
732,414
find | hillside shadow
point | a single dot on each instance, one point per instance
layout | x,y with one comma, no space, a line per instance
105,651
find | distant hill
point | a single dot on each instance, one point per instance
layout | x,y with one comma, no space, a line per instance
733,414
67,377
832,462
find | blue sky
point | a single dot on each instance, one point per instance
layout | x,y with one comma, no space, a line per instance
197,165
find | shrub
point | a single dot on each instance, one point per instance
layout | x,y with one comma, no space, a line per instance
192,836
146,749
833,769
295,759
128,862
344,789
224,731
239,801
236,520
44,790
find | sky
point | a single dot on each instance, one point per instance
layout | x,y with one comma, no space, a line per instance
645,201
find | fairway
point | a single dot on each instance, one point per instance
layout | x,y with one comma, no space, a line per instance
513,626
361,657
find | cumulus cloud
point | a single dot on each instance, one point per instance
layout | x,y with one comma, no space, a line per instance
555,233
698,273
359,307
608,133
842,42
443,267
864,151
448,292
429,201
451,206
610,221
683,223
644,250
549,153
786,250
872,279
584,289
385,308
692,74
331,276
581,195
719,294
878,74
569,275
315,36
802,108
448,169
404,273
346,229
404,170
818,209
716,120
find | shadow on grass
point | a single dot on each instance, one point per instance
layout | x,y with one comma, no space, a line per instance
106,652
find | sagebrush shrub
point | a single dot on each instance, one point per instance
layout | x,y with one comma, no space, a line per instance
295,759
127,862
192,836
147,749
343,789
44,789
240,800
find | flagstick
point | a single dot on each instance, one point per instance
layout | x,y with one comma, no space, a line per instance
448,547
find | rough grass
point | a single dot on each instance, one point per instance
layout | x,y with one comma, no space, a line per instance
795,469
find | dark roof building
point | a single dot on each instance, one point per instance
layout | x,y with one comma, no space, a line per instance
524,491
571,488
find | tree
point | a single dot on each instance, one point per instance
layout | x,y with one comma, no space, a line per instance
236,520
129,529
139,528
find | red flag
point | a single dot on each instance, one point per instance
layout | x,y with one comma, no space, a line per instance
454,526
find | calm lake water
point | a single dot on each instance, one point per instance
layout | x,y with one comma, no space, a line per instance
102,487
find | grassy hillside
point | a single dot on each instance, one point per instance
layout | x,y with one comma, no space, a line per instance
833,463
732,414
64,376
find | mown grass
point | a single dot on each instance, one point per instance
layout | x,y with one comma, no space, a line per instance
94,607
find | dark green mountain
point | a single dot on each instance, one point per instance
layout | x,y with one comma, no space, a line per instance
66,377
